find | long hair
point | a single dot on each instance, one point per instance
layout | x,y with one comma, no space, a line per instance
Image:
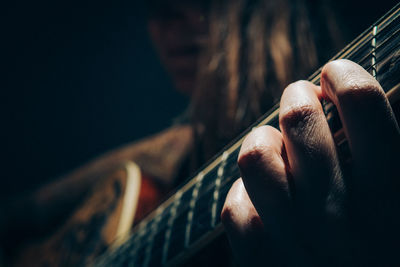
256,48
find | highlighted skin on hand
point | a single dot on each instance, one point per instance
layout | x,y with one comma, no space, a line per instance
296,206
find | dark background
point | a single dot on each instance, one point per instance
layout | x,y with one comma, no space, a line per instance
78,78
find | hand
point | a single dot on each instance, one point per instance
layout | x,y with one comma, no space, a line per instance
296,204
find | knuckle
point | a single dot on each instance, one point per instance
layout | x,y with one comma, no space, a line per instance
295,87
245,222
255,222
254,156
297,116
258,146
335,65
232,212
298,104
358,89
297,84
227,213
349,81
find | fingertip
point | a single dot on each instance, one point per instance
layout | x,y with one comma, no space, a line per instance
243,226
328,77
238,213
228,211
344,77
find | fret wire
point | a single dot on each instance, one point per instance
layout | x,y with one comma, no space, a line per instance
376,64
216,189
381,23
142,227
155,226
382,60
195,193
169,226
317,74
150,239
352,48
375,34
142,231
209,188
223,181
222,185
382,45
212,187
169,202
381,28
377,31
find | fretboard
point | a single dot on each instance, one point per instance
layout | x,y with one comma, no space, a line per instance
191,217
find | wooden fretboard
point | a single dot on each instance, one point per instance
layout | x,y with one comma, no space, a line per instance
190,218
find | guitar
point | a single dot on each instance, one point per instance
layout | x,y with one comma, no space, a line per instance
189,221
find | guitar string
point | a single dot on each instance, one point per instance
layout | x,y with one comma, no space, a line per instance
352,48
148,226
228,179
384,23
377,49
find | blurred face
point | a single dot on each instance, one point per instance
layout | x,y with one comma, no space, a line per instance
179,31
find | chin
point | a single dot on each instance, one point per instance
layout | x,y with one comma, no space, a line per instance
185,87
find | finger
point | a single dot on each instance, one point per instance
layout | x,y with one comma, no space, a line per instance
238,214
264,174
244,227
373,135
263,165
311,152
362,105
367,118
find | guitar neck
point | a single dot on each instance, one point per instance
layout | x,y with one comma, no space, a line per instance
190,218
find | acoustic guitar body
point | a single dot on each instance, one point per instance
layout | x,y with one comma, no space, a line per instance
105,217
